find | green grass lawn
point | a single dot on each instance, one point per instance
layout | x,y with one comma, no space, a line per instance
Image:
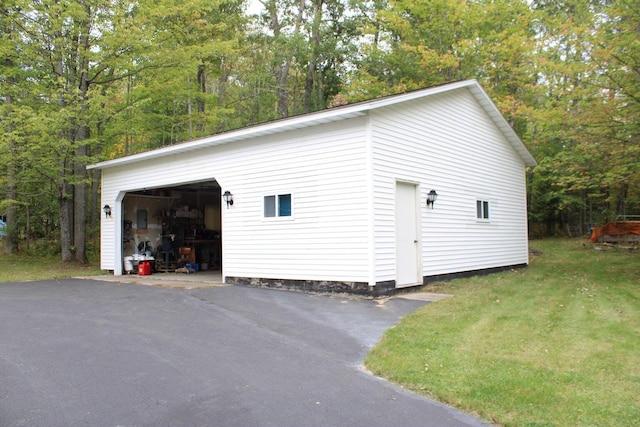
19,268
555,344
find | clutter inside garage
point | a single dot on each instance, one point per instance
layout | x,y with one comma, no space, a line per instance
175,229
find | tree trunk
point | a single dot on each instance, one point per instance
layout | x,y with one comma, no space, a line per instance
622,211
78,78
10,242
65,191
281,71
66,220
311,83
200,103
80,200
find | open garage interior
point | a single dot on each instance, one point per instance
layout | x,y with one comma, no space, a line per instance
173,229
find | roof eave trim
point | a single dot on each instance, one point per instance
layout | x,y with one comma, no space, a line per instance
274,127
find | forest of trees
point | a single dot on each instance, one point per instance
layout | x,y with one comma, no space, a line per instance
87,80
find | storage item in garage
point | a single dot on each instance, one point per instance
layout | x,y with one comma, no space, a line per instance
144,268
128,264
186,255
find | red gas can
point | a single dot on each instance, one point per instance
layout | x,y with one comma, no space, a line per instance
144,268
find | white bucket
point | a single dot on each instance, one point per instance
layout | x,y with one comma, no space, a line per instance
128,263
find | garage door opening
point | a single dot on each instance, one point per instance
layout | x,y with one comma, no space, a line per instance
175,228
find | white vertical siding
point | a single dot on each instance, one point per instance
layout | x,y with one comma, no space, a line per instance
324,169
107,235
448,143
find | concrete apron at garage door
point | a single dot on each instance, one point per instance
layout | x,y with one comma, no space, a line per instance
170,280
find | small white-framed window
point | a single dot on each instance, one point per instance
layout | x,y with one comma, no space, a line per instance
278,205
482,210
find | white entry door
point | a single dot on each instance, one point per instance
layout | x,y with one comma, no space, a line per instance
407,241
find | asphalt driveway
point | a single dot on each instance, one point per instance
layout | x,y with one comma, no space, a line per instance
83,352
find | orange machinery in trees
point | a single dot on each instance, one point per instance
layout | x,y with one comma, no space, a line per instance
616,232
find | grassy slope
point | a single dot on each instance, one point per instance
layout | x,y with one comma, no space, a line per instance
14,268
556,344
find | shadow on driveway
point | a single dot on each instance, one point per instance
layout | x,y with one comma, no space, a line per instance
85,352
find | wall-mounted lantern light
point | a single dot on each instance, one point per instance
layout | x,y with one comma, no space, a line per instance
107,211
228,198
431,198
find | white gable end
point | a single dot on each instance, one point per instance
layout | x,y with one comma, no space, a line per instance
449,143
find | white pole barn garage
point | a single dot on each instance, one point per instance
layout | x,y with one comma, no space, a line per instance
337,200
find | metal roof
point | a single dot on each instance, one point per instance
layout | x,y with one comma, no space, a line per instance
328,116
